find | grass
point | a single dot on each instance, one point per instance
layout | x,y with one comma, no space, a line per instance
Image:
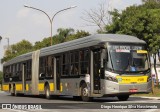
155,93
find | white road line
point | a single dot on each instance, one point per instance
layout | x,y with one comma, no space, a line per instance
151,110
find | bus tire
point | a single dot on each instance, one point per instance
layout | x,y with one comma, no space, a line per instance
85,93
123,97
47,92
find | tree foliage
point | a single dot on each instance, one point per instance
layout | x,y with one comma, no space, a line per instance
63,35
44,43
19,48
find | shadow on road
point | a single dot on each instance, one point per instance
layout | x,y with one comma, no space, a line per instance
70,98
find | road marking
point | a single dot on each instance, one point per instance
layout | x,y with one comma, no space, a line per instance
151,110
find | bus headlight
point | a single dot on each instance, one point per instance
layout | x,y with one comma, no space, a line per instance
111,78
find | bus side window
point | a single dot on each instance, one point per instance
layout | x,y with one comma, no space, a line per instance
74,63
84,61
66,64
42,65
49,66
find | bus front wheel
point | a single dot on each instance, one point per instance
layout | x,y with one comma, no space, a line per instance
85,93
123,97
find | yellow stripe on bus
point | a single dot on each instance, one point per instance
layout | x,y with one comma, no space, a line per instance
18,87
41,86
51,86
5,87
131,79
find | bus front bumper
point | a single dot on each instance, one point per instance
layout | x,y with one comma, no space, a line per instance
113,88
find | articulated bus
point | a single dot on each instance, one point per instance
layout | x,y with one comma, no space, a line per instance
100,65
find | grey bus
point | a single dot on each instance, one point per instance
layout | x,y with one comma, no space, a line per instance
100,65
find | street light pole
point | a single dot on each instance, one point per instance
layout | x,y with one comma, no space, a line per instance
50,19
7,41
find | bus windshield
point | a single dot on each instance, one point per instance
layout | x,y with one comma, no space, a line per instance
128,58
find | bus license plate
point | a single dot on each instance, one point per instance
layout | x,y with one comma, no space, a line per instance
133,90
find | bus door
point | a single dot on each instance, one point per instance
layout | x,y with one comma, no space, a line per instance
96,71
24,70
58,72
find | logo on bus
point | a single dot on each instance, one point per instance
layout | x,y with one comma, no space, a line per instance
119,79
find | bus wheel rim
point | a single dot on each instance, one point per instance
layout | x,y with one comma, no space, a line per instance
85,92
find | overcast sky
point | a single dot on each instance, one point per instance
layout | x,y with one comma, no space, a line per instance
18,22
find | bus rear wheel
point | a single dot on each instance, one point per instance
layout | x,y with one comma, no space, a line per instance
85,93
47,92
123,97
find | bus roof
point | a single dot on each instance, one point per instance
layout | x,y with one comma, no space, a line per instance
90,41
80,43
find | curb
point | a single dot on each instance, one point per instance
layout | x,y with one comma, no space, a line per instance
155,98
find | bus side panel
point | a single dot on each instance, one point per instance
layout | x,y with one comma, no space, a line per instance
5,87
70,86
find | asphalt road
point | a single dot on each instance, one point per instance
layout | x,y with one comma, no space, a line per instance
62,104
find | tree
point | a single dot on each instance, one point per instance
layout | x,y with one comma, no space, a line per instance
150,1
25,46
64,33
78,34
41,44
62,36
19,48
141,21
98,17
